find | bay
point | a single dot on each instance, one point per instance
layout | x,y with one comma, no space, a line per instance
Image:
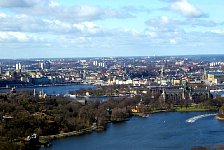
53,90
169,130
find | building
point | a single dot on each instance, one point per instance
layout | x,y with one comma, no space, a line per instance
200,94
1,70
174,96
215,78
18,67
176,81
45,65
95,63
177,96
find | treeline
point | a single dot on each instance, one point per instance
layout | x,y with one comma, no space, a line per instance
23,114
13,83
111,90
152,99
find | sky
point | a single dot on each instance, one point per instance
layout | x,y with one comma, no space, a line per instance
107,28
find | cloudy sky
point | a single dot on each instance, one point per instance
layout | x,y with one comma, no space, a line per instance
86,28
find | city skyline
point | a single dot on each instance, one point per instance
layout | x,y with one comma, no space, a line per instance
66,28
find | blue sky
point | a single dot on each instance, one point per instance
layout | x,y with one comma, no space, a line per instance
88,28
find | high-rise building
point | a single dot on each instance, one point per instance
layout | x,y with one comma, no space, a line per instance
95,63
45,65
23,68
101,64
42,65
1,70
18,67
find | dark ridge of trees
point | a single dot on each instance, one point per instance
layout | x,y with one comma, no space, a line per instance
53,115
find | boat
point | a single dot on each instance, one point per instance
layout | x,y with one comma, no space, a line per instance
145,116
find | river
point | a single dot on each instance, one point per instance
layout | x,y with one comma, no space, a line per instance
172,130
60,90
53,90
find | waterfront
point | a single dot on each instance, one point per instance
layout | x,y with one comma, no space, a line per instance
170,130
53,90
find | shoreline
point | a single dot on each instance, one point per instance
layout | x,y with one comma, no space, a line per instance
219,117
4,90
47,85
72,133
101,128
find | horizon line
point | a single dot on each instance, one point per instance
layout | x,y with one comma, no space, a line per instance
180,55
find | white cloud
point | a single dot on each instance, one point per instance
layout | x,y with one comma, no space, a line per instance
201,22
173,41
218,31
186,9
86,11
52,10
164,19
3,15
20,23
13,37
45,24
164,23
53,4
25,23
56,26
20,3
87,27
151,34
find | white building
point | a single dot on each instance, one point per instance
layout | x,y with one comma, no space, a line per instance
18,67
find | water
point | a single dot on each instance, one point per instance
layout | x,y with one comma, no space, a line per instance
195,118
53,90
61,90
159,131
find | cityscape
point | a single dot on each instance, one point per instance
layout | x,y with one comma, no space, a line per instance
114,75
145,84
166,71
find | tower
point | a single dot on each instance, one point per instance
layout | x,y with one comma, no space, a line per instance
95,63
42,65
1,70
162,72
204,76
34,92
18,67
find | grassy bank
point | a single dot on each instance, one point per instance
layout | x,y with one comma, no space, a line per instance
195,108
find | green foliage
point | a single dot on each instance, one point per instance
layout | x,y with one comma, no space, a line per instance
54,115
